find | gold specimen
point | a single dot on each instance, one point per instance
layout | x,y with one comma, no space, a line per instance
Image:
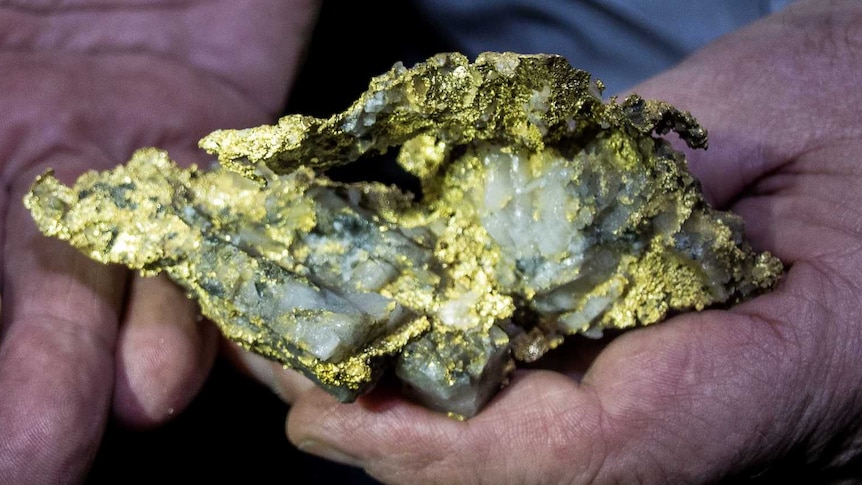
544,212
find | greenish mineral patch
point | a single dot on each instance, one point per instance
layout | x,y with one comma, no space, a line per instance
545,212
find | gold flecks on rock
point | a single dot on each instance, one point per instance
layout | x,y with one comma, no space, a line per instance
545,212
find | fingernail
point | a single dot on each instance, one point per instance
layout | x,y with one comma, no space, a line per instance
329,452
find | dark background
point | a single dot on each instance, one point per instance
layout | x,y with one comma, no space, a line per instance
234,430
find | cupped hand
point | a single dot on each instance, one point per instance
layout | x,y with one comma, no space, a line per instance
771,384
83,84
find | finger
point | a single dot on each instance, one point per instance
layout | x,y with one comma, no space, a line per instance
695,395
288,384
164,353
401,442
56,353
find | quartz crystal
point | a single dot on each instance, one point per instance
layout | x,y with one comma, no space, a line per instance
544,212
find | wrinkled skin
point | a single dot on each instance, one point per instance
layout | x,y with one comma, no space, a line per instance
696,398
83,84
701,396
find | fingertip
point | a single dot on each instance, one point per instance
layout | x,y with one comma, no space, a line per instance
164,354
318,421
286,383
311,416
367,434
159,373
289,384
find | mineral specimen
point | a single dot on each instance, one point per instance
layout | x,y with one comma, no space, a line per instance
544,212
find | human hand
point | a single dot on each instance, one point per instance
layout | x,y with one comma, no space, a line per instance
82,85
703,396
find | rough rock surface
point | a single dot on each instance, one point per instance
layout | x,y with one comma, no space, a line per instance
545,212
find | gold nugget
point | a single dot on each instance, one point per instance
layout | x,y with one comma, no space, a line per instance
545,212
